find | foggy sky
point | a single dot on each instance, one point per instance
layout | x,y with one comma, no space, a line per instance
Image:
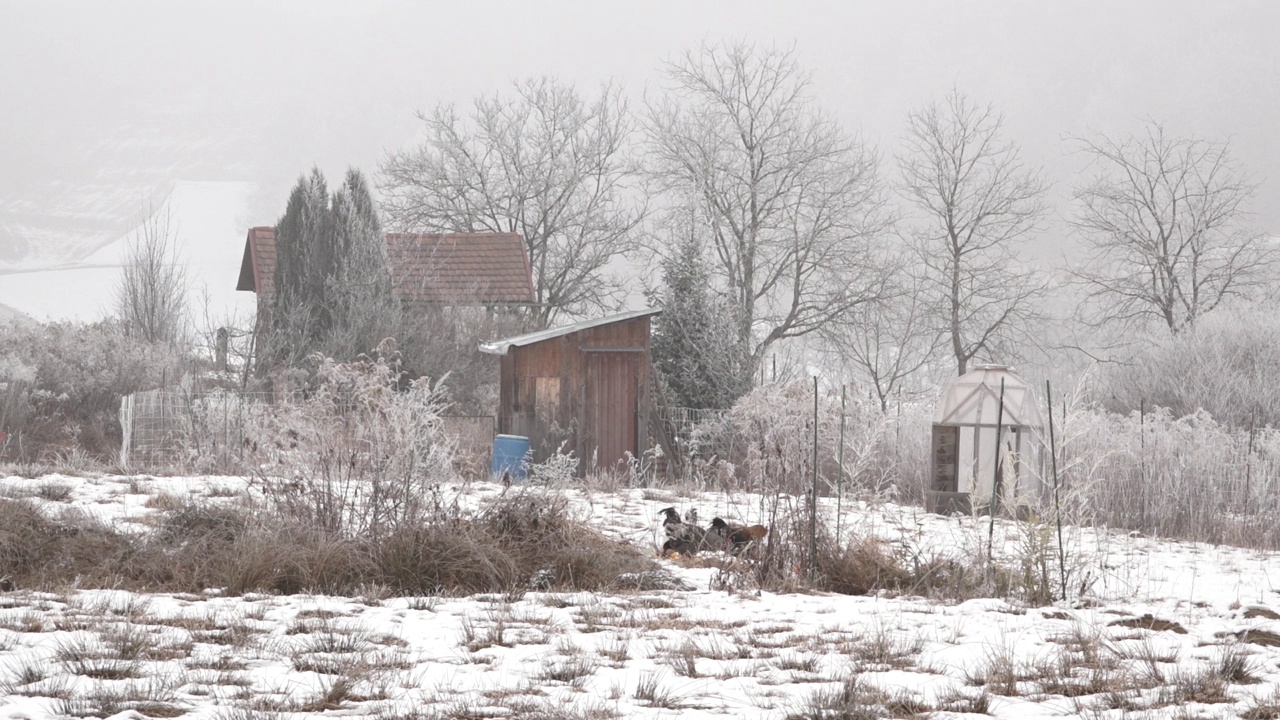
154,92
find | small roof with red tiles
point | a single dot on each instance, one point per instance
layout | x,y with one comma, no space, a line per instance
258,266
426,268
460,268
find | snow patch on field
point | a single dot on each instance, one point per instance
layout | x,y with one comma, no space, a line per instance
1163,628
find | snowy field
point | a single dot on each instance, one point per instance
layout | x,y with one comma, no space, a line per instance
1162,630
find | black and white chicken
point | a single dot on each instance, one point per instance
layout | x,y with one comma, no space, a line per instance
684,538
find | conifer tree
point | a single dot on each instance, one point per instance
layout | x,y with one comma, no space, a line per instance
333,288
695,344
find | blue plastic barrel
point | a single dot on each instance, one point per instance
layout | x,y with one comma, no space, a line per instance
510,457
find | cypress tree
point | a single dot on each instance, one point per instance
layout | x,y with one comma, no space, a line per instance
695,342
332,284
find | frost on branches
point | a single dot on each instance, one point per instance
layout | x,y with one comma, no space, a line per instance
358,454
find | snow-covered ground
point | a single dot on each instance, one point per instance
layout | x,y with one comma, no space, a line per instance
1162,630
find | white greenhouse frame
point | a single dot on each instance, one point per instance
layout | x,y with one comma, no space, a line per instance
964,448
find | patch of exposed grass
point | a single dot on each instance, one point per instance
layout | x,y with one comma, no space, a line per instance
53,491
651,691
856,699
885,647
572,670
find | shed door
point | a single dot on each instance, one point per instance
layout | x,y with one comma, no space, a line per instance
611,404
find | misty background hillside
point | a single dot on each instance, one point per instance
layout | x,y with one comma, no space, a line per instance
110,107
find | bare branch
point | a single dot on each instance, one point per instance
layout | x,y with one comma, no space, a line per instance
543,162
889,341
977,203
790,203
151,297
1163,221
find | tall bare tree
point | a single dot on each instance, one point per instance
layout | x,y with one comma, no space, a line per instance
791,202
151,297
1163,220
891,340
976,203
542,161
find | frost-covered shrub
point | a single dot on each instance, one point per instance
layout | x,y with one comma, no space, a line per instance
358,455
560,469
69,378
768,437
1226,365
211,432
1188,477
765,443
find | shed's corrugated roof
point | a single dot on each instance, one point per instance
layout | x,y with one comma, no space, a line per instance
501,347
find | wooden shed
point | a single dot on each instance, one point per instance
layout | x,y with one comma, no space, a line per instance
586,385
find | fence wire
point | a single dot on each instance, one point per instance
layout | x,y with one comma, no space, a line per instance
216,428
165,425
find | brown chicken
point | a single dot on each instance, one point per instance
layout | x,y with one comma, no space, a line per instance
736,537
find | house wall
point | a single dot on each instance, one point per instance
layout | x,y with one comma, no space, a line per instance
584,388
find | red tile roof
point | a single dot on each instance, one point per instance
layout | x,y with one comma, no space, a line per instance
258,267
458,268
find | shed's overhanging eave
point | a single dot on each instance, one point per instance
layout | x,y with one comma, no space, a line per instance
502,347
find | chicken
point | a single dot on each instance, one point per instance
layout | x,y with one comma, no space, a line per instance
682,537
734,538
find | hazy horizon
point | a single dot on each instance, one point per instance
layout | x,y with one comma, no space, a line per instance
109,104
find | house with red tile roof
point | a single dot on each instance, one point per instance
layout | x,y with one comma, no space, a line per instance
427,269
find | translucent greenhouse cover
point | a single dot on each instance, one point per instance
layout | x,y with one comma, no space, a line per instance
974,399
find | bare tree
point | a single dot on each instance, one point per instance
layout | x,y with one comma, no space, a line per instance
890,340
151,297
791,203
543,162
977,203
1163,222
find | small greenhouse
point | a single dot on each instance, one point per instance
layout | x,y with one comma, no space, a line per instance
975,439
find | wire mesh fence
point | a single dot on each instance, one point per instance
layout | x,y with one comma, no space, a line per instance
167,425
681,425
217,429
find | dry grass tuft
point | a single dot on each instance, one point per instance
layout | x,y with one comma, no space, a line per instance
650,690
522,541
862,564
571,670
856,699
886,648
1149,622
1263,707
53,491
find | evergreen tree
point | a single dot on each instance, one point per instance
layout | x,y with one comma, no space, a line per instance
695,343
333,288
302,264
359,296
